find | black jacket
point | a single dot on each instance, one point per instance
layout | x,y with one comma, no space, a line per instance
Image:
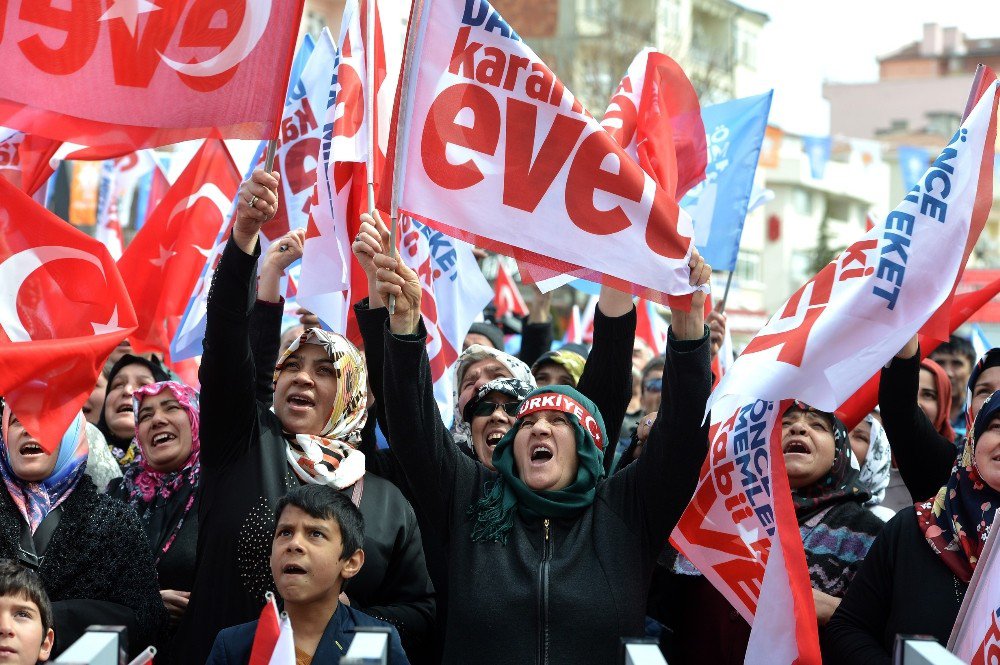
924,457
244,474
562,590
901,588
97,568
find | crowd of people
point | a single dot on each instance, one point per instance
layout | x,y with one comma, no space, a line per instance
532,528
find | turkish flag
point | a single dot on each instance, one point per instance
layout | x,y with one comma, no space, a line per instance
63,309
162,264
172,70
507,297
24,160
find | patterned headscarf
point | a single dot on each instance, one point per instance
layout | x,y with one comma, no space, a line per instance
874,475
943,421
163,499
494,512
332,458
964,503
460,431
36,500
841,483
518,390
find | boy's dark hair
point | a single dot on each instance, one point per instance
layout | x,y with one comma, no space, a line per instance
325,503
16,580
959,346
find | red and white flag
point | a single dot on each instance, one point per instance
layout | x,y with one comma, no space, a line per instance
574,327
273,642
853,317
24,160
975,637
63,309
491,147
133,73
655,117
163,262
507,297
650,326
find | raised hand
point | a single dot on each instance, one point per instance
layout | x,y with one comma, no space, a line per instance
691,325
257,202
372,239
282,253
395,278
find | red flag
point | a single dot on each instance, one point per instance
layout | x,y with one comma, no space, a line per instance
173,70
650,326
266,636
24,161
63,308
507,297
861,403
162,264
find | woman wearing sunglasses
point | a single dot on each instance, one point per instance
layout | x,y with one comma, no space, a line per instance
491,413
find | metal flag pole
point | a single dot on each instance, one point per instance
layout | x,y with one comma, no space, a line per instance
370,102
272,148
721,308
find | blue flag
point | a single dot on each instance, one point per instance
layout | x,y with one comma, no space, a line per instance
817,148
718,205
912,164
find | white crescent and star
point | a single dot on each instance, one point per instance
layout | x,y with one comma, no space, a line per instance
18,267
255,19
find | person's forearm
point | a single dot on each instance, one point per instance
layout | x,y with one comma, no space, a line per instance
613,302
268,284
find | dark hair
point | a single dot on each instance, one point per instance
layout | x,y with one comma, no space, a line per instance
16,580
959,346
325,503
657,363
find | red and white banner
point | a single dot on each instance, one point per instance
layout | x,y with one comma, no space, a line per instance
741,532
650,327
162,264
655,117
975,637
24,160
454,294
63,309
860,310
172,70
491,147
855,315
507,297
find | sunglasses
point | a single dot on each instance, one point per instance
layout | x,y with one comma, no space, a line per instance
489,408
653,385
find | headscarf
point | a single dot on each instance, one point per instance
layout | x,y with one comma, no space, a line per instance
125,448
841,483
332,458
989,359
514,388
956,521
163,499
461,433
874,474
35,500
943,421
494,513
570,361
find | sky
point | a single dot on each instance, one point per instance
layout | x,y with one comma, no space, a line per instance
807,42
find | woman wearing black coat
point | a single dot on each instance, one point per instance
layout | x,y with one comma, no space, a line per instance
549,562
251,456
89,549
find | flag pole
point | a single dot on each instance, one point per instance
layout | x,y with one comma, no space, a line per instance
370,102
721,309
272,148
413,34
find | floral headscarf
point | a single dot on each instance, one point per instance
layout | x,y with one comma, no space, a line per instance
332,458
964,503
461,432
36,500
163,499
943,421
841,483
874,475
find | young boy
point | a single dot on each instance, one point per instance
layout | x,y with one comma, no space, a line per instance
26,634
316,547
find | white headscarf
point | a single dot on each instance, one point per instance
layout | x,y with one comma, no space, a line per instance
878,462
461,432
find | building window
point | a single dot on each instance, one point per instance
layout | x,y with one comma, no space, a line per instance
748,267
802,200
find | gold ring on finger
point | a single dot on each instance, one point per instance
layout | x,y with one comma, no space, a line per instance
253,202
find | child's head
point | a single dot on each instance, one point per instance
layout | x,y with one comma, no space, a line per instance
317,544
26,634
